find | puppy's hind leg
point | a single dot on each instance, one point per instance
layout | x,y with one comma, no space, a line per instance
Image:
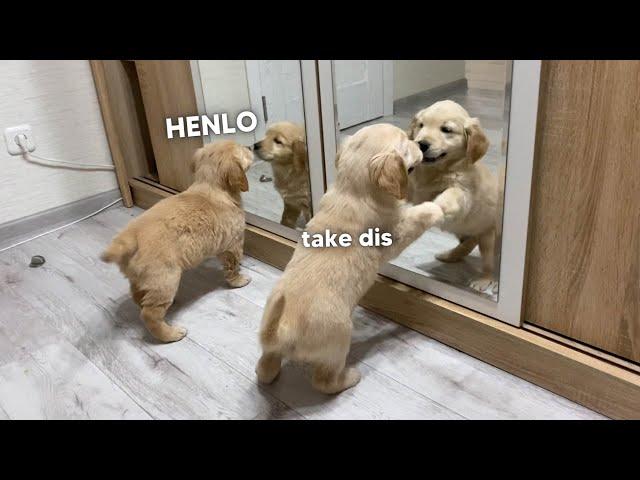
330,379
330,374
268,367
156,302
464,248
487,251
290,215
231,264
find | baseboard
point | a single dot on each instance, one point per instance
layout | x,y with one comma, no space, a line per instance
456,85
18,230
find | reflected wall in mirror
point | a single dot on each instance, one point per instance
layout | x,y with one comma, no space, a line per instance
271,89
464,143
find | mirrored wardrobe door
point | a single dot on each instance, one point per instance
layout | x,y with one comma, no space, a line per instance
282,94
462,113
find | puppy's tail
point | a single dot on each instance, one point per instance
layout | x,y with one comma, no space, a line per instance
121,248
271,321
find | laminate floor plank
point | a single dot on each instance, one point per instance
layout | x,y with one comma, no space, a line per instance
70,327
94,312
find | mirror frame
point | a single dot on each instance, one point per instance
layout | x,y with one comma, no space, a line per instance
525,85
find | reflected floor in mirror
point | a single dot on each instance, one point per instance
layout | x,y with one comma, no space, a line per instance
72,347
263,199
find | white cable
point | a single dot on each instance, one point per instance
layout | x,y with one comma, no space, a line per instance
63,226
52,163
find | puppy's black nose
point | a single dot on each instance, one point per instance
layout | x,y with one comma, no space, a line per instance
256,146
424,146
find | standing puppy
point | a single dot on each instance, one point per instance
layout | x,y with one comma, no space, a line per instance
180,232
452,143
308,314
285,148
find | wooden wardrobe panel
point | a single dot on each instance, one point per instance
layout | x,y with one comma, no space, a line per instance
167,91
125,123
583,275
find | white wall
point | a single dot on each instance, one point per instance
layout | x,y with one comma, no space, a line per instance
58,99
414,76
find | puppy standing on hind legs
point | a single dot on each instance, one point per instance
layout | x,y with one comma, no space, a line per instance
308,314
180,232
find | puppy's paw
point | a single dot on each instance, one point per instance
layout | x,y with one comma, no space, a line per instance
431,212
351,378
171,334
483,284
239,281
450,256
267,373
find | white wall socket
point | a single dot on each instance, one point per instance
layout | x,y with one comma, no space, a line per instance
10,135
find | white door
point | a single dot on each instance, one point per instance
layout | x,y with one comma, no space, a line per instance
275,92
359,87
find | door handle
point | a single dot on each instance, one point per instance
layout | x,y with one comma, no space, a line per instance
264,109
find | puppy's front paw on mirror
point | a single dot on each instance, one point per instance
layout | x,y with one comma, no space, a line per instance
484,284
432,211
239,281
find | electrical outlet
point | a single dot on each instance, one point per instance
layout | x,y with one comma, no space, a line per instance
10,135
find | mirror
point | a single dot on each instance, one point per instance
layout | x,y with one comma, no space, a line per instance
464,143
272,89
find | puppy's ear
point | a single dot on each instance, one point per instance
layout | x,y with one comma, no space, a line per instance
234,175
388,173
197,158
341,147
411,131
477,142
299,155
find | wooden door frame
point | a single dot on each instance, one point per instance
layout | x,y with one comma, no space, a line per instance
597,383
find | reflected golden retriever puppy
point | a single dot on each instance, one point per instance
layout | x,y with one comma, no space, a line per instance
180,232
308,314
284,146
452,143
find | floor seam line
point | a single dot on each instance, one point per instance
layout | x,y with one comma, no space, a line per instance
198,344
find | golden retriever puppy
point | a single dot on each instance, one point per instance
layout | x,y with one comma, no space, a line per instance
284,146
452,143
180,232
308,314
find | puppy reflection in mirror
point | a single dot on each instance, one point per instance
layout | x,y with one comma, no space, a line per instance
467,191
284,146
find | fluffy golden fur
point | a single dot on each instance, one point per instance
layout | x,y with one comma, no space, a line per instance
308,314
179,232
284,146
467,191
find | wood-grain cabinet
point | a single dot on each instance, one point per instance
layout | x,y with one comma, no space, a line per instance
565,145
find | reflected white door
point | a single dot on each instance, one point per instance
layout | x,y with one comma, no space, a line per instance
275,92
359,86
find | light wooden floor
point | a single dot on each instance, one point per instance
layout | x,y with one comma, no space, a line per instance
71,346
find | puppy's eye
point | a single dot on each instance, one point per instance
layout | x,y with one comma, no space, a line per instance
277,140
445,129
420,125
